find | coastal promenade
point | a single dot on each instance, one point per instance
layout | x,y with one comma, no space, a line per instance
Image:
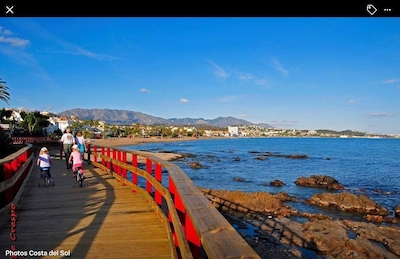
102,219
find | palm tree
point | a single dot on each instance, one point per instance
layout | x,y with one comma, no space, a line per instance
4,95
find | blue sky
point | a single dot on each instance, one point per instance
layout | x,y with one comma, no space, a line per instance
298,73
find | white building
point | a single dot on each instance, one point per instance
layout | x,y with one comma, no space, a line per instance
233,131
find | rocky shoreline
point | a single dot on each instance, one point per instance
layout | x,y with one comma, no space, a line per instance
282,232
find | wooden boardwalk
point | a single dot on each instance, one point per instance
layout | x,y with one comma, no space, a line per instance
100,220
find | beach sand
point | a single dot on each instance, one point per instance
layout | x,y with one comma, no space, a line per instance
121,142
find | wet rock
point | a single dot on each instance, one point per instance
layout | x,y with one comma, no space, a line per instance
348,202
276,183
195,165
320,181
331,237
397,211
380,219
249,202
238,179
296,156
387,236
334,238
312,216
260,158
236,159
293,156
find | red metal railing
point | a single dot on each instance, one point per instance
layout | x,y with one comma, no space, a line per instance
25,140
188,210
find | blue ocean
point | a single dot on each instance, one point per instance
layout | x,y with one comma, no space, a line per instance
363,165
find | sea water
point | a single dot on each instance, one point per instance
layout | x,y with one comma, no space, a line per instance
363,165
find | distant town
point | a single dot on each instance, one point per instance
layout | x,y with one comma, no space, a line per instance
18,122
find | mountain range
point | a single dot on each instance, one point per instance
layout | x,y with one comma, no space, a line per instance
126,117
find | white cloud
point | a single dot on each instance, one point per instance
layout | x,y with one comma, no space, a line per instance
278,66
245,76
219,71
17,42
12,41
5,31
391,81
380,114
144,90
184,100
352,101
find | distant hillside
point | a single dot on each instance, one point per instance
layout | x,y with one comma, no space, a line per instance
114,116
131,117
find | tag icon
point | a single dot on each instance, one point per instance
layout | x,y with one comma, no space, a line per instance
371,9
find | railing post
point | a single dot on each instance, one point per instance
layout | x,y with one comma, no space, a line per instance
103,152
149,169
109,155
158,176
135,164
95,150
119,169
124,161
114,166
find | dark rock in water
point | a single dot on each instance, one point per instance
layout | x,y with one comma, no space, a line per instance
348,202
238,179
276,183
397,211
323,181
195,165
245,202
296,156
259,158
237,159
293,156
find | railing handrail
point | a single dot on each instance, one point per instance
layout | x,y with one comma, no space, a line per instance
217,236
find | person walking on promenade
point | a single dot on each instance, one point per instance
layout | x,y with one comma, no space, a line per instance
80,141
44,163
67,140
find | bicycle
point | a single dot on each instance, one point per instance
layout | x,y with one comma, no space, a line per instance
44,177
79,177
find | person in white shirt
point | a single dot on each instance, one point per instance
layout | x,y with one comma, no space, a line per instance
67,140
80,141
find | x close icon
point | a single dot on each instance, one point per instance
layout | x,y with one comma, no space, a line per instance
9,10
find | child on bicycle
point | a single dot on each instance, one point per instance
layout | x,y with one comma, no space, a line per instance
44,162
76,159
